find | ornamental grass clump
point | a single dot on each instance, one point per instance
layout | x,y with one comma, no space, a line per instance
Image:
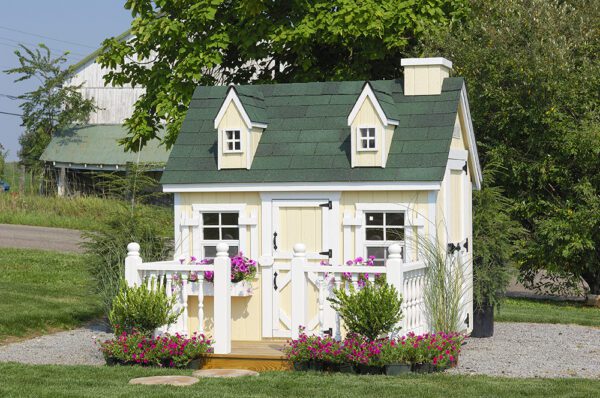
371,311
175,351
142,308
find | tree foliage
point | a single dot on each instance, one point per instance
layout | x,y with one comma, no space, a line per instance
54,105
533,75
184,43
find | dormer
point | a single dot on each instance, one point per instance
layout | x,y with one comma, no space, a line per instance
371,131
239,124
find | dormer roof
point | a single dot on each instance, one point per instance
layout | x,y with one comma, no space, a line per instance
381,100
249,103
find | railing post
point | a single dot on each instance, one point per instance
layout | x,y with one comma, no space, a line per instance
132,263
298,289
394,273
222,300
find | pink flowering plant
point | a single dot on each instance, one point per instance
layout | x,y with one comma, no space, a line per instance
363,278
439,349
164,351
242,268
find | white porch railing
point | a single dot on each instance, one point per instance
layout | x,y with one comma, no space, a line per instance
408,278
138,272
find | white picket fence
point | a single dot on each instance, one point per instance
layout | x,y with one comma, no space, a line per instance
408,278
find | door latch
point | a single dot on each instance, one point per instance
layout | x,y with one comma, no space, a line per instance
329,205
328,253
274,240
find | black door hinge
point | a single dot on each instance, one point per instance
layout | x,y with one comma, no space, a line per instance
466,244
329,205
328,253
465,168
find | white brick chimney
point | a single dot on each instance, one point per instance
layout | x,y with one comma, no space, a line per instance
424,76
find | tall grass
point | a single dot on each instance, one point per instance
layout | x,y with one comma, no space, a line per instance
445,287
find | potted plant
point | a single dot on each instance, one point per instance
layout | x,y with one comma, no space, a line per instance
394,357
494,234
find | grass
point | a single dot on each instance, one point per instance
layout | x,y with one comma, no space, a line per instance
43,291
547,311
84,213
88,381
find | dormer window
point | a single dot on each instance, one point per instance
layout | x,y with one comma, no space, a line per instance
367,139
233,141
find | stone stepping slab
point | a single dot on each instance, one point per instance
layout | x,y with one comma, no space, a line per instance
224,373
165,380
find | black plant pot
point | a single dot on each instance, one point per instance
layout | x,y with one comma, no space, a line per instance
301,366
483,321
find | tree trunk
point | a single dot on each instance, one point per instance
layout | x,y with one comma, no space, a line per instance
593,281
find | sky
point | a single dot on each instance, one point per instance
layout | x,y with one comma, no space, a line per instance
78,26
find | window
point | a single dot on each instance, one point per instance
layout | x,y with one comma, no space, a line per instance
383,229
233,141
220,227
366,139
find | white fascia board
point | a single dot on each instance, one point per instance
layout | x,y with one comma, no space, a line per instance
232,96
305,187
426,62
466,113
367,92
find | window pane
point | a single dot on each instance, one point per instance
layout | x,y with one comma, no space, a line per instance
229,134
394,234
237,145
374,218
230,146
211,233
210,251
236,134
371,133
230,233
371,144
233,251
229,219
374,233
378,252
394,218
210,218
364,133
364,144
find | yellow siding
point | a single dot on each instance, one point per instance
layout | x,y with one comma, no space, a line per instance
424,80
255,135
367,117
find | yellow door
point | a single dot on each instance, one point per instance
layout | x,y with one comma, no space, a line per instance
295,221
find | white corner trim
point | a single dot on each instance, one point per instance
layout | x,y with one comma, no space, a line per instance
232,96
458,154
466,113
367,92
426,62
305,187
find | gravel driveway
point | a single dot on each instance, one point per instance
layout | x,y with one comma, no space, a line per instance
534,350
516,350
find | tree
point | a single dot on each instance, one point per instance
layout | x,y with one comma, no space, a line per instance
49,108
533,75
3,153
182,44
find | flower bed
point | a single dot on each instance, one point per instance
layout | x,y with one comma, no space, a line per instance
175,351
423,353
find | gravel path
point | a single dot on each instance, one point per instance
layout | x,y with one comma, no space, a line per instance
516,350
43,238
534,350
73,347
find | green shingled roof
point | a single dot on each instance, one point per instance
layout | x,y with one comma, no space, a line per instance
98,145
308,138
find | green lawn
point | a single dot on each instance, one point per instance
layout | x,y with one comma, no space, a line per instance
84,213
87,381
41,290
547,311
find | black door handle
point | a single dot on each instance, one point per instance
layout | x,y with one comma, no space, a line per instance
275,281
275,240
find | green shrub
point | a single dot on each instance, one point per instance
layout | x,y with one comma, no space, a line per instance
371,311
142,308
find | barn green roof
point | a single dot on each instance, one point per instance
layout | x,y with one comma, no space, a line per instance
308,138
98,144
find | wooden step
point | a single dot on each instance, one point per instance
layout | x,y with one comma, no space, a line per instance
260,356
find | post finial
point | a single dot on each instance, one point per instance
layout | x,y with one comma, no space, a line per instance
222,249
395,251
299,250
133,250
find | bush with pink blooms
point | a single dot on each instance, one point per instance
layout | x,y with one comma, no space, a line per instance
431,351
175,351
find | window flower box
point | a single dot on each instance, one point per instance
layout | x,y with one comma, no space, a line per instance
239,289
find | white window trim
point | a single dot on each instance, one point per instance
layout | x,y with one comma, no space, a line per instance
240,208
360,242
359,138
226,141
